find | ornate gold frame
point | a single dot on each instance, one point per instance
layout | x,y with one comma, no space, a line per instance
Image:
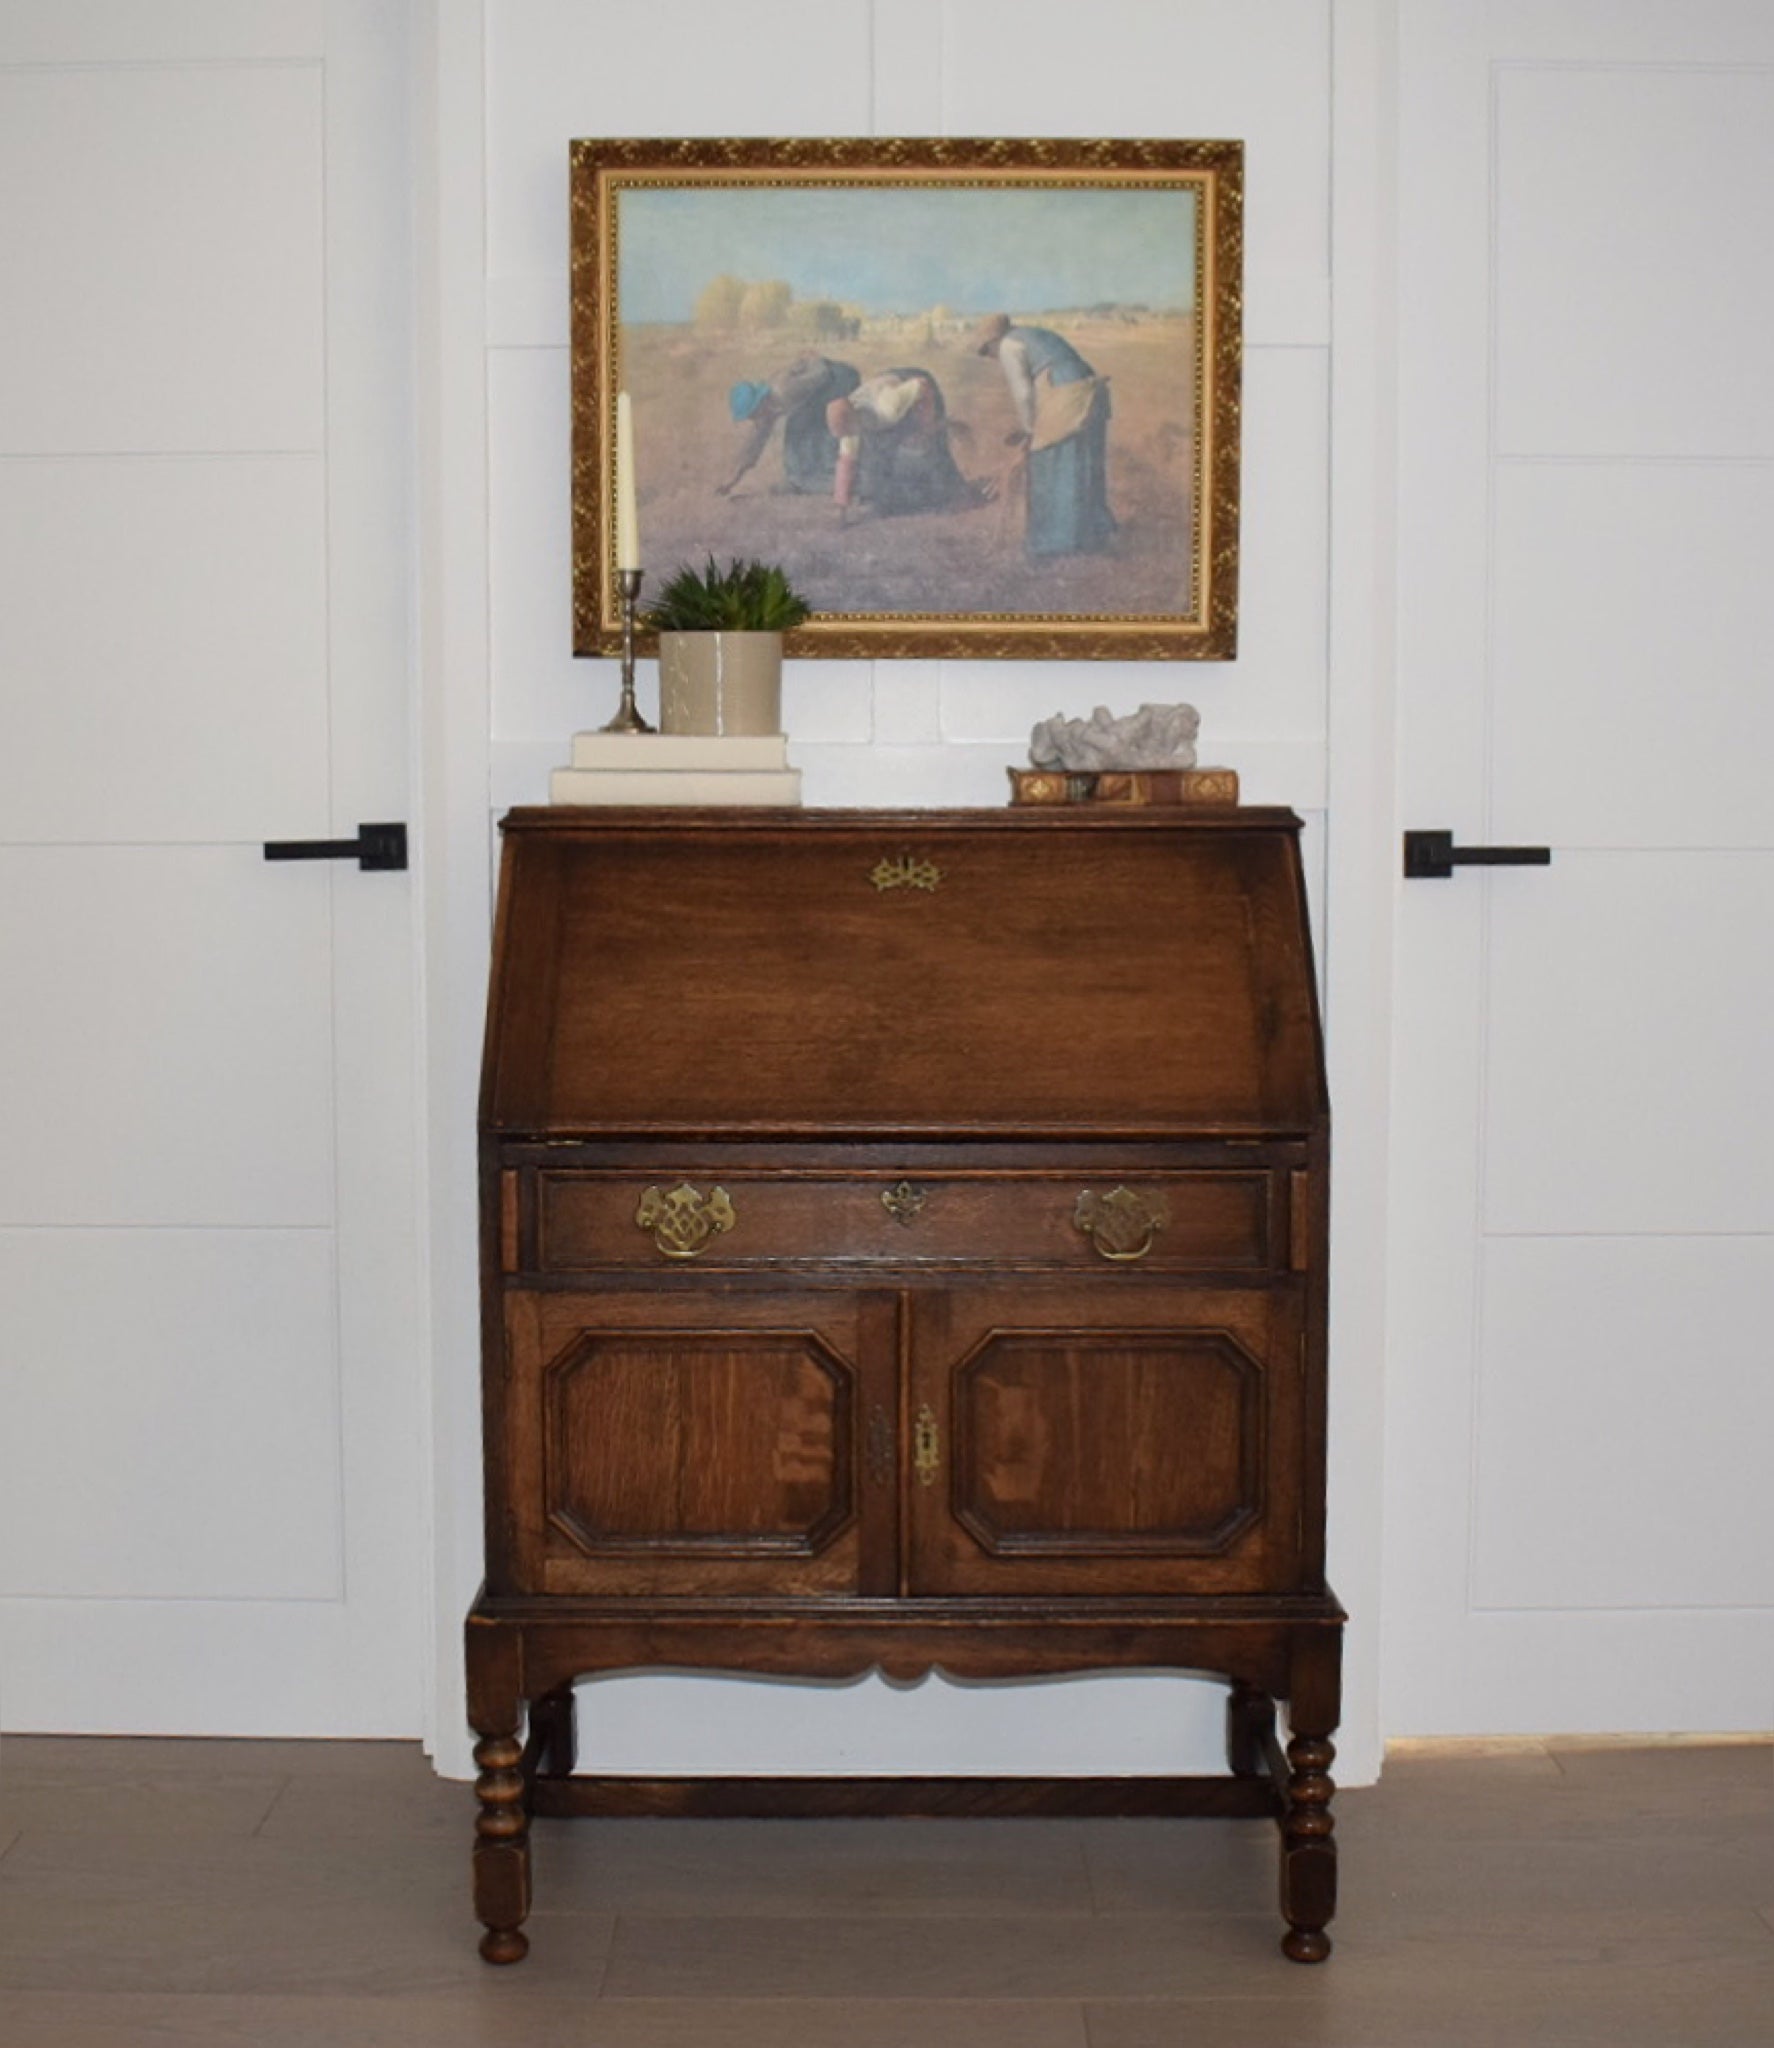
1206,632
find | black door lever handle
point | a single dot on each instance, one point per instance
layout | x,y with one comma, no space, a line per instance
1432,856
376,846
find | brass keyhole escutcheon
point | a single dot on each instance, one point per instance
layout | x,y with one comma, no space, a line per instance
906,871
903,1201
1122,1224
926,1446
684,1220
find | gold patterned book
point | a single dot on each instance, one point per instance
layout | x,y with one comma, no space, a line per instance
1124,786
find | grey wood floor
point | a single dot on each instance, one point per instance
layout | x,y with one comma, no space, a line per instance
280,1893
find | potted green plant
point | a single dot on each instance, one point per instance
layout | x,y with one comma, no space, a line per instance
720,647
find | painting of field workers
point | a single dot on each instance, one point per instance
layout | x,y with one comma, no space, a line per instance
920,398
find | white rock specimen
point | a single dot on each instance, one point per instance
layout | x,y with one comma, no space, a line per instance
1154,736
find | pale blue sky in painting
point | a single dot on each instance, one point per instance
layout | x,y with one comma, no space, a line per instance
904,249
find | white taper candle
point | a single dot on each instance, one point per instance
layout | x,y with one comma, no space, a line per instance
628,532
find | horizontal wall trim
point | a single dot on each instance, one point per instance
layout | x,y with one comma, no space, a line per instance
173,1599
44,455
186,1229
1505,459
1668,1607
1573,849
135,845
1680,67
1602,1236
25,66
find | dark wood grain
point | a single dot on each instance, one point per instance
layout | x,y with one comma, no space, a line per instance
1135,1439
668,1445
1218,1221
998,1000
901,1798
1308,1827
553,1746
501,1849
1250,1730
554,1638
1055,1405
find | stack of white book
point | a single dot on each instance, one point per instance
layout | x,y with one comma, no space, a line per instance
676,768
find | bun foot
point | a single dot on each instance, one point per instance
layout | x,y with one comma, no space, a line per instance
504,1945
1305,1944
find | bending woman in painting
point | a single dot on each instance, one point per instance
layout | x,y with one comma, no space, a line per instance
1062,410
893,447
798,397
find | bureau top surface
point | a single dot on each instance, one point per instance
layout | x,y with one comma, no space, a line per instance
934,973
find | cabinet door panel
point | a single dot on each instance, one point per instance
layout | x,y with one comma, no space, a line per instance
693,1442
1106,1439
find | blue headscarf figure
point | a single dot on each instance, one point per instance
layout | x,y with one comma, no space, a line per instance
744,399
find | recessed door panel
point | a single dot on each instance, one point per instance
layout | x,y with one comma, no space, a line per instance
1135,1442
735,1442
695,1441
1105,1439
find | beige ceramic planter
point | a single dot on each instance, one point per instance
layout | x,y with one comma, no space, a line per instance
720,683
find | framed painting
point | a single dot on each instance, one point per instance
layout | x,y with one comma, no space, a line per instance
977,398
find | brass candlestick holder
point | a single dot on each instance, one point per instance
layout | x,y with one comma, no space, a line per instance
628,719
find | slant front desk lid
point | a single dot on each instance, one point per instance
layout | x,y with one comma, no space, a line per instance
900,972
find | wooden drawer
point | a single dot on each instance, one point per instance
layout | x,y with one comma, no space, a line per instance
576,1220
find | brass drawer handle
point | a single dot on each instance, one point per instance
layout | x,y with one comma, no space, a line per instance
683,1221
926,1446
1121,1224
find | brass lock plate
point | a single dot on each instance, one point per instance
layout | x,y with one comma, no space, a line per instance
926,1446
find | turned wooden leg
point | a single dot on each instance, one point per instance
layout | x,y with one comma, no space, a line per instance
1308,1846
1250,1727
501,1816
1308,1852
554,1734
501,1849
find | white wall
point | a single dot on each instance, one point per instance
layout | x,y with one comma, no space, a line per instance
524,77
911,731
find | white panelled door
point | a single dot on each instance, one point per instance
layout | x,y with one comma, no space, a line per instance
210,1394
1579,1523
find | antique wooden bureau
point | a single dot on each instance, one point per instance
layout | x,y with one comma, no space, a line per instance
904,1247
